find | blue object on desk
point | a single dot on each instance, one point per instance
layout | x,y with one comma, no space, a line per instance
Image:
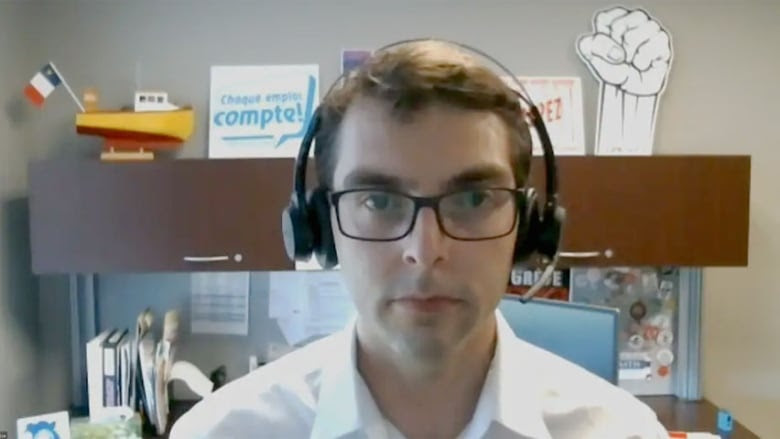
725,421
586,335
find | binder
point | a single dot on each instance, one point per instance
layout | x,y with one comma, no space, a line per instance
94,354
111,368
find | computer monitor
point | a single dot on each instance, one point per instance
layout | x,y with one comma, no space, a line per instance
586,335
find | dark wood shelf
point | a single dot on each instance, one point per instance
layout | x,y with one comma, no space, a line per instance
657,210
88,216
92,217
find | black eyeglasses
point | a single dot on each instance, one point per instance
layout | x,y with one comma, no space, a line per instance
387,215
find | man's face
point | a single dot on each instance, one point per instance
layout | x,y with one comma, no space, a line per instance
425,293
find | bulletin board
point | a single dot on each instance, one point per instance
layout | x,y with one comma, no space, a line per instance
647,298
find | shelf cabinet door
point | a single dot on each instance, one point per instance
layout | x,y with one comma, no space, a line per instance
655,210
176,215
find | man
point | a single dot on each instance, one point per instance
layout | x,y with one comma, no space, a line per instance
423,152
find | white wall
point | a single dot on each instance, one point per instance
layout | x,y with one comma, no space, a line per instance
730,106
721,99
19,392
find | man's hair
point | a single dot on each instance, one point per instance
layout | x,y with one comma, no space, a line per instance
413,76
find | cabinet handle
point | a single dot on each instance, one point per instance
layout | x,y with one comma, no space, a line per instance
237,257
608,253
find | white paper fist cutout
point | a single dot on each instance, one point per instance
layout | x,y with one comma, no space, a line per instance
630,54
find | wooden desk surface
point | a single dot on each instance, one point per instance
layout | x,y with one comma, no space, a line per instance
675,414
680,415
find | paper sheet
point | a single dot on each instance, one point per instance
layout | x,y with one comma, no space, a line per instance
47,425
309,304
559,101
330,305
276,103
220,303
293,328
285,295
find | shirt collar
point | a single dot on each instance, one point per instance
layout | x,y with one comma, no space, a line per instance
510,396
516,391
337,412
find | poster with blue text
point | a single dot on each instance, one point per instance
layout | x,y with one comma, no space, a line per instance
260,111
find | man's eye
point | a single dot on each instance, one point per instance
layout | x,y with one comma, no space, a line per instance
472,199
379,201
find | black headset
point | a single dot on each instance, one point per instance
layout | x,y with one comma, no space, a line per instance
306,225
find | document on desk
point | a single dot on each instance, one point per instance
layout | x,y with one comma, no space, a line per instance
220,303
692,435
308,304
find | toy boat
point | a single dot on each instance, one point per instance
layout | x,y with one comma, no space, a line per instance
153,124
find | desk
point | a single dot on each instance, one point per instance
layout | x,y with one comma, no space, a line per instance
680,415
675,414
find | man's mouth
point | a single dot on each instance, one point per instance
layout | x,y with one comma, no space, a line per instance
427,304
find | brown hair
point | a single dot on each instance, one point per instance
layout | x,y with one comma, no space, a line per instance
413,76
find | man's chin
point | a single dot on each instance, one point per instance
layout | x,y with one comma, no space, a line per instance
424,349
423,341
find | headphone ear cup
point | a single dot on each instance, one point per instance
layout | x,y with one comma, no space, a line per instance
542,233
324,245
296,232
549,236
528,225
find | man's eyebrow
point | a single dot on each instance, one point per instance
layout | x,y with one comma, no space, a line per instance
477,175
363,177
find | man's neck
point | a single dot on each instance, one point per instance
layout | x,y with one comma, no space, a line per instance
424,399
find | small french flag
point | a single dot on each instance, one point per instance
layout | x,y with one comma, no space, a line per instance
42,84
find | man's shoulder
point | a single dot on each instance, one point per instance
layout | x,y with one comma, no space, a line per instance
570,395
303,363
556,374
278,397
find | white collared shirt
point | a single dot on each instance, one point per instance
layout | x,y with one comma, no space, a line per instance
316,392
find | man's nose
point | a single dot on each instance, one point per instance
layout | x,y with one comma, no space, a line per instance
426,244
